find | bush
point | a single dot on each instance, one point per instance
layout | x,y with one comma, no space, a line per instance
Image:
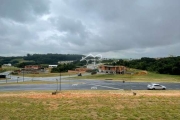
94,72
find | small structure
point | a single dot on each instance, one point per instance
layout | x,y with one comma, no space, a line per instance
35,69
112,69
53,66
92,66
64,62
7,65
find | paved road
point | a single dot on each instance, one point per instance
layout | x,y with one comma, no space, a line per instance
15,79
75,84
86,85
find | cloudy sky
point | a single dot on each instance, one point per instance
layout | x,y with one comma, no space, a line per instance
113,28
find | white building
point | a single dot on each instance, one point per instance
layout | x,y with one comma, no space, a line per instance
53,66
64,62
93,66
9,64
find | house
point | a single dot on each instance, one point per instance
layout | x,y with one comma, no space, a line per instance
34,67
112,69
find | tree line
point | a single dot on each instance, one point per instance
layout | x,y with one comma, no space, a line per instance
169,65
37,59
52,58
69,66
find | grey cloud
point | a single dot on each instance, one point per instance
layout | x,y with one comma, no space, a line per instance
127,24
126,28
70,25
13,37
23,10
74,30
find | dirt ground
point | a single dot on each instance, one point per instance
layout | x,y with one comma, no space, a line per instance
44,95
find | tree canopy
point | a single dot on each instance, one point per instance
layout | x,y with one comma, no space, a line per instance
169,65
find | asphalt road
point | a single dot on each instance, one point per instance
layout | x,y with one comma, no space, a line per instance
75,84
86,85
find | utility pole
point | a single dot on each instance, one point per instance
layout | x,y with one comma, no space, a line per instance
23,75
60,81
57,84
17,79
60,78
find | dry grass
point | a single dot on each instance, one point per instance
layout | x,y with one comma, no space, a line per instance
110,105
90,93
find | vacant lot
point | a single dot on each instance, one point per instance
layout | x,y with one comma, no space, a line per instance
92,105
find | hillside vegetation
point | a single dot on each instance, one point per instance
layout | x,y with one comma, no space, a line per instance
169,65
36,59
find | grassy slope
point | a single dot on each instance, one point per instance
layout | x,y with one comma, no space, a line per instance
20,60
91,105
150,77
9,68
47,74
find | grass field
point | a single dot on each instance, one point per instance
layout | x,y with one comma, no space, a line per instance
149,77
38,82
48,74
90,105
9,68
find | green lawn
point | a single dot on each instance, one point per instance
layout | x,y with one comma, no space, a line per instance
48,74
90,105
150,77
9,68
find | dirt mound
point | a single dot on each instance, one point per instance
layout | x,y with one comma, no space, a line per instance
142,73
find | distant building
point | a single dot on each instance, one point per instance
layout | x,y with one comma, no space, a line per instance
8,65
32,69
35,67
93,66
65,62
53,66
112,69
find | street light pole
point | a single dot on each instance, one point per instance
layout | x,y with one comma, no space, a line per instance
60,80
23,75
60,77
57,84
17,79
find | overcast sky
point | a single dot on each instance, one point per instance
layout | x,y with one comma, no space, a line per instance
113,28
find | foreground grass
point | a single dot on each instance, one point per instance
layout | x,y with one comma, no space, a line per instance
91,105
150,77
